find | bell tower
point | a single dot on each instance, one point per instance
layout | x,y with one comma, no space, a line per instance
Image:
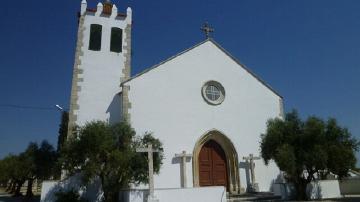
102,62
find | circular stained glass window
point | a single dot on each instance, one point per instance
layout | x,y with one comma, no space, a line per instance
213,92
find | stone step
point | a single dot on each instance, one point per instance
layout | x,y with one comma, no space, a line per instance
261,196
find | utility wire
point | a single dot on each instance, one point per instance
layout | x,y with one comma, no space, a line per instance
26,107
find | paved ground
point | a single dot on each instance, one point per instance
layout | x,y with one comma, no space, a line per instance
8,198
348,199
345,199
269,197
352,199
4,197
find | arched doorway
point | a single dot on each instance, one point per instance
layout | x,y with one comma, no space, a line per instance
212,165
213,140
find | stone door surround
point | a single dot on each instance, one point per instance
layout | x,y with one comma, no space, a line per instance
231,158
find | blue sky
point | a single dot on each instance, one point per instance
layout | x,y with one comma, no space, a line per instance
307,50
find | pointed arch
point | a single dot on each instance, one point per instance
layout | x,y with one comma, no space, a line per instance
231,159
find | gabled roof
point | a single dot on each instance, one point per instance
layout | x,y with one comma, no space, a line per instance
222,49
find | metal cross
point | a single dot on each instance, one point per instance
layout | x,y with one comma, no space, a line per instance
150,151
183,157
207,29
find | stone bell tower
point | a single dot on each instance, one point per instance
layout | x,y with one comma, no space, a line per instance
102,62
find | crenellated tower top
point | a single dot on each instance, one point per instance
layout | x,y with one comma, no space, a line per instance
105,9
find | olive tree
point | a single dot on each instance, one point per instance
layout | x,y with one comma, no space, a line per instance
108,153
308,149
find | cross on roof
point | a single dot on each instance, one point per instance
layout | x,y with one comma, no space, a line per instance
207,29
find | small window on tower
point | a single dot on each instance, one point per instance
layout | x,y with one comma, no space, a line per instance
95,37
116,40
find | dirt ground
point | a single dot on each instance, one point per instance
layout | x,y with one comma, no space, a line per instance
5,197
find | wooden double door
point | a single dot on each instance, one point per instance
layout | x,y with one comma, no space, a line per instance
212,165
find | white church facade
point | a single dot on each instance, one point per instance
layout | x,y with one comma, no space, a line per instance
202,101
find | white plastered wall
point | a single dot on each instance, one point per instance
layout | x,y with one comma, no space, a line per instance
167,101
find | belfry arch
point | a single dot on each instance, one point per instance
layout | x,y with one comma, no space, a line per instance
233,176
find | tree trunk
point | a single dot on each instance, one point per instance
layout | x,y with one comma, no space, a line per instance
18,187
300,187
9,186
29,192
13,187
110,196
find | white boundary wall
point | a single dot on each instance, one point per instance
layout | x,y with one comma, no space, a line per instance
323,189
285,190
199,194
49,188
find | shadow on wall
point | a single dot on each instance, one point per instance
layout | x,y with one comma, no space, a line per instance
114,110
178,160
280,187
246,165
280,179
92,192
314,190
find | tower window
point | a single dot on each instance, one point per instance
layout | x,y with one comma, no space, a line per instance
95,37
116,40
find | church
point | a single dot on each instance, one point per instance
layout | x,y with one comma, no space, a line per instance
201,103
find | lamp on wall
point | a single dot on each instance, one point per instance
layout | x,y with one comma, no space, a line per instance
59,108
